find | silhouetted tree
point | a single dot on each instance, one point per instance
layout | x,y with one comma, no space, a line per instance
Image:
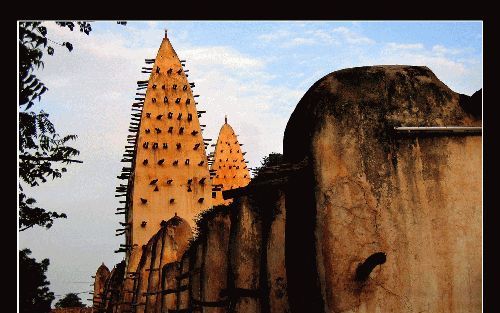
70,300
34,294
273,159
42,154
42,150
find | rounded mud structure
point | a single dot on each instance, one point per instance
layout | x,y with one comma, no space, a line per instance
383,221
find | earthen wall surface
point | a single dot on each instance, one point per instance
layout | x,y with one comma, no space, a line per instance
416,197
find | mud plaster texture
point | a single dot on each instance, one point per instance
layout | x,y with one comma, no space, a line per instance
416,198
164,248
215,265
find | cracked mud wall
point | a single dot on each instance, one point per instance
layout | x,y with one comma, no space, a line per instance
276,267
139,299
427,220
183,284
170,272
244,255
417,199
129,281
235,263
196,275
165,248
215,265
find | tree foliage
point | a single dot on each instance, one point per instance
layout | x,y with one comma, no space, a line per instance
42,151
34,294
70,300
273,159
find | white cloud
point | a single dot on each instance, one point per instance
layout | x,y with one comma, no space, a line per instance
460,75
99,84
299,41
404,46
442,50
415,54
239,86
275,35
352,37
323,36
226,57
317,36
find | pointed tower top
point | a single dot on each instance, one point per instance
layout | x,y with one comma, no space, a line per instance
166,33
182,148
225,119
102,269
229,165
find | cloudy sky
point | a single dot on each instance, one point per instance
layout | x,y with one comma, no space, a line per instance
255,72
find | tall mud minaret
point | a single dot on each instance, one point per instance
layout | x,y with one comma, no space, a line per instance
169,172
229,169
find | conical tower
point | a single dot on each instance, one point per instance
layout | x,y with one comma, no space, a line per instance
100,279
229,169
169,167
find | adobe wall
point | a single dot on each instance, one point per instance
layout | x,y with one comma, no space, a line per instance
426,218
235,262
215,233
413,202
166,247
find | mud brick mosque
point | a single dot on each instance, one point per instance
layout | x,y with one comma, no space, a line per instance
377,206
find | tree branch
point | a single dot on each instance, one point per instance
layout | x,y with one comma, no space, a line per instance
33,158
23,229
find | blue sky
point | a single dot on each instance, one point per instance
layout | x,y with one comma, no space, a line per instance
255,72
